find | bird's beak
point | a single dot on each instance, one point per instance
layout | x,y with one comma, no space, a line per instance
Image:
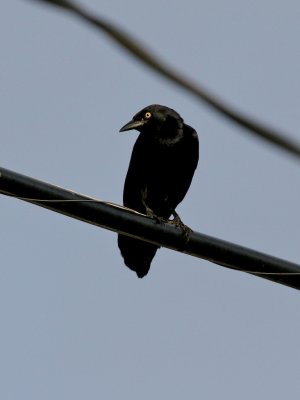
132,125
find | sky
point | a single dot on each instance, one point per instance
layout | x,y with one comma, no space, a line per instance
75,322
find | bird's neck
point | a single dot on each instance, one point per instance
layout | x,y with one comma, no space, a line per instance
170,134
169,139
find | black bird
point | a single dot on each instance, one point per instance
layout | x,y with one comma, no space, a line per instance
162,165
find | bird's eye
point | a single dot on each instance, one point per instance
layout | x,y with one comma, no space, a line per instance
148,115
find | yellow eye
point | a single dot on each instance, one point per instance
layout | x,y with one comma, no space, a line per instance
148,115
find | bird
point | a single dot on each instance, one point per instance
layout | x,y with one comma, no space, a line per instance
163,161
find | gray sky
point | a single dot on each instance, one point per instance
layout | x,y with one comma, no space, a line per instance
75,322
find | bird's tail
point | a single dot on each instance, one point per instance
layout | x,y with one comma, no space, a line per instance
137,254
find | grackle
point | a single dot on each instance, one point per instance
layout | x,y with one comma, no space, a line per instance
162,165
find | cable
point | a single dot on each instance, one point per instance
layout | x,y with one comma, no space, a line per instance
126,221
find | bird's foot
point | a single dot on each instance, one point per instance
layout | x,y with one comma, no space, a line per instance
177,222
157,218
149,212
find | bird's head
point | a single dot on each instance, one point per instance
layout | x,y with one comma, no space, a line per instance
157,120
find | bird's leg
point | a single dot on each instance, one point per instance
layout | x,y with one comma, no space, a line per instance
179,224
149,211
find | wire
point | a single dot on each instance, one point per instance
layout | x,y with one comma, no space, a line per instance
28,199
128,222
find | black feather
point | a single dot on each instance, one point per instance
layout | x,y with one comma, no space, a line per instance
162,165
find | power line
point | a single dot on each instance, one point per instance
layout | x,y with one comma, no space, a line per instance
128,222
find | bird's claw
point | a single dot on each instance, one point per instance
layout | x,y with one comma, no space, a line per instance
177,222
150,214
149,211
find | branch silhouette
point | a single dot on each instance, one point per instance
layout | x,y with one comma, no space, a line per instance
145,56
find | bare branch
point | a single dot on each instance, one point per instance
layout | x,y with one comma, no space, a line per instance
142,54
